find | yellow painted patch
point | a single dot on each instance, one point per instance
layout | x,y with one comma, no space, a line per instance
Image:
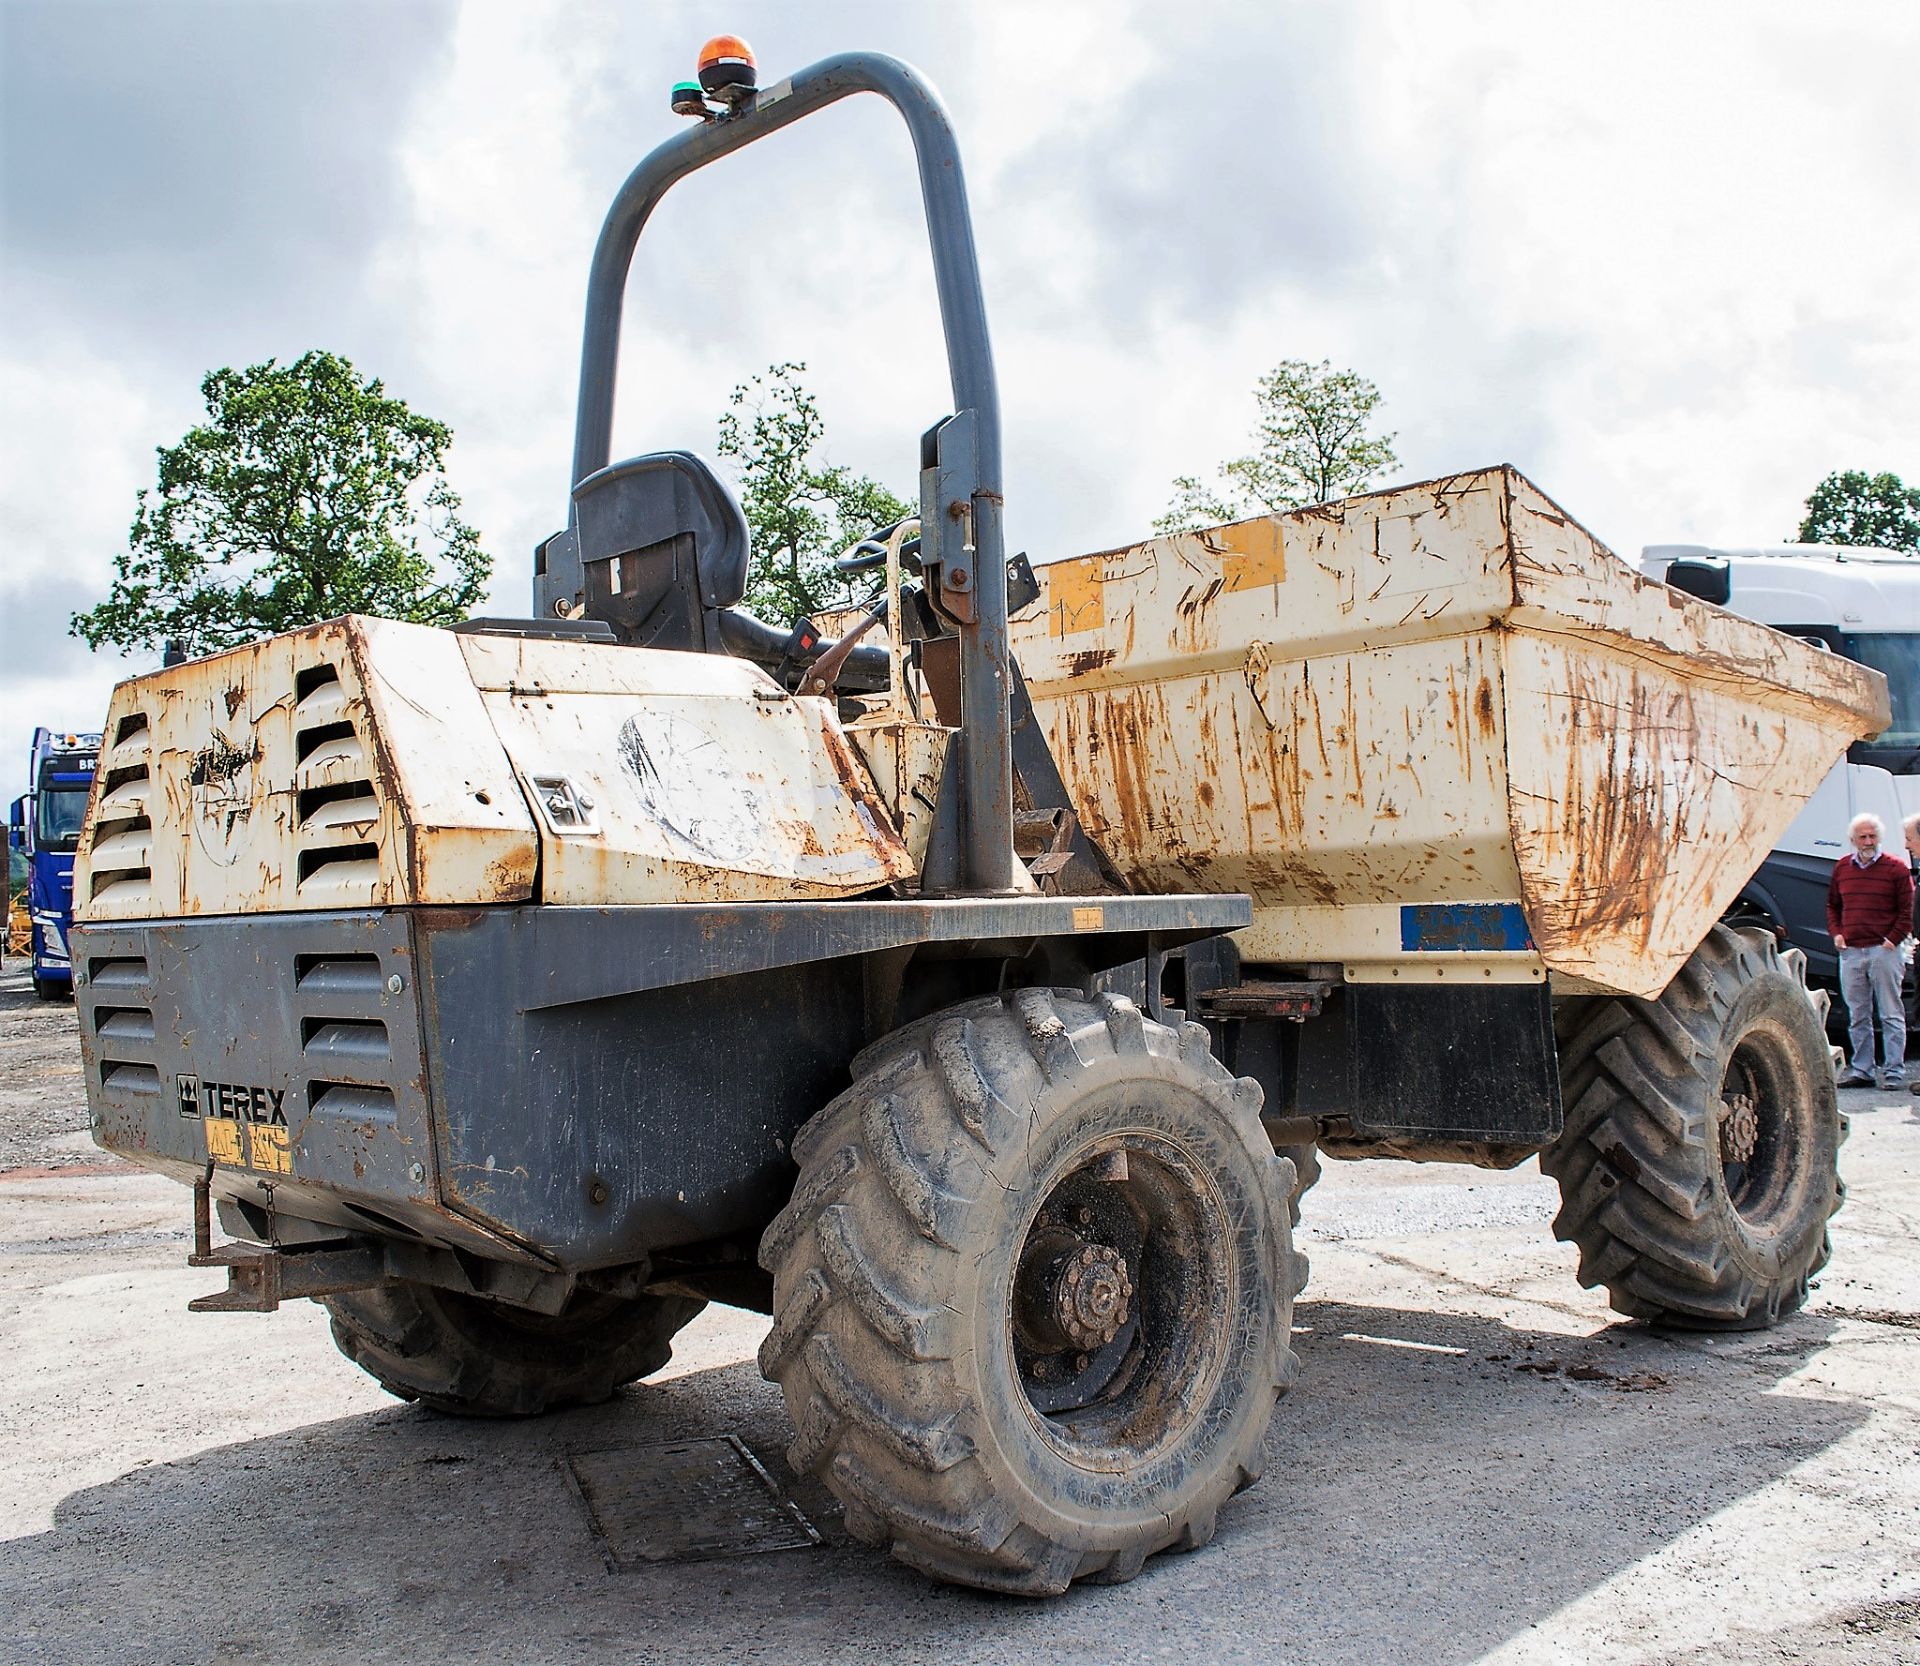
270,1151
223,1142
1252,555
1076,599
1089,919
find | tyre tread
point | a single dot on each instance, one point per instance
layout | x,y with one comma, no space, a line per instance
861,1343
1637,1161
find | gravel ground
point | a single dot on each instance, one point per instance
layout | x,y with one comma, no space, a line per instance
43,1104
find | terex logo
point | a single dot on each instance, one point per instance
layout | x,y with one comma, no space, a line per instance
236,1101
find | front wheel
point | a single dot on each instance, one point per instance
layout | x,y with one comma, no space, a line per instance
1699,1163
478,1358
1032,1292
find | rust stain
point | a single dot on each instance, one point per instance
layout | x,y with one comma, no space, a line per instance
1116,722
1483,708
886,839
236,697
1196,627
1617,828
1089,660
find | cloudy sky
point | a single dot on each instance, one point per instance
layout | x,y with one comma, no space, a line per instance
1665,258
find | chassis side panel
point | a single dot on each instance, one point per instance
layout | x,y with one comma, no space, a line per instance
575,1088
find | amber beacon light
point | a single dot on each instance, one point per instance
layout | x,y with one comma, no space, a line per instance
728,73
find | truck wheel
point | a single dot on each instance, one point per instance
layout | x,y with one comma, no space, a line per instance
1698,1166
1032,1293
477,1358
45,989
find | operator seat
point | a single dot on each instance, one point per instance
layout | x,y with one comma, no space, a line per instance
656,547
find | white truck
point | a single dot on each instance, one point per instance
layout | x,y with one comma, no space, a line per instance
1863,604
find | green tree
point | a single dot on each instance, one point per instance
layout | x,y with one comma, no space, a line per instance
306,493
1854,507
1309,444
802,510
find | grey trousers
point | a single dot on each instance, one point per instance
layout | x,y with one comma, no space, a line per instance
1870,980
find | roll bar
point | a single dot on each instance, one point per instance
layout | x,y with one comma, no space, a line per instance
961,486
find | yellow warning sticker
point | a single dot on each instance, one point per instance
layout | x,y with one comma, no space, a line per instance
1254,556
1075,599
1089,919
223,1142
270,1150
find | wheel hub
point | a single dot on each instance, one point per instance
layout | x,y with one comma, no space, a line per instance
1073,1296
1739,1128
1091,1293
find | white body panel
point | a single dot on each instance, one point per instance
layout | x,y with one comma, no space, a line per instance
362,762
1846,791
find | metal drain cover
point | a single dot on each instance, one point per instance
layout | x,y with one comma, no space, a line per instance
684,1501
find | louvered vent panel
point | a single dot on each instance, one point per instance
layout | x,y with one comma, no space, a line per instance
120,852
122,1019
343,1036
337,818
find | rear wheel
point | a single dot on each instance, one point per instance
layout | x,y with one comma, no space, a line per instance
1032,1292
477,1358
1699,1163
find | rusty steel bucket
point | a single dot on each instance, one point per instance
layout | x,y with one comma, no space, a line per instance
1436,732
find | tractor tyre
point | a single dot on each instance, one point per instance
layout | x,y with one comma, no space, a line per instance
477,1358
1033,1291
1699,1163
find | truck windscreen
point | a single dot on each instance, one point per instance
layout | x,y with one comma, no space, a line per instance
1896,656
62,807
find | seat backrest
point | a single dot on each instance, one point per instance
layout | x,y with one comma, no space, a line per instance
660,544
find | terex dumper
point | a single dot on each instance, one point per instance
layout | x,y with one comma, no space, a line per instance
518,989
1490,792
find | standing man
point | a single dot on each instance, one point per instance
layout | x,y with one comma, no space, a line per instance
1910,832
1870,913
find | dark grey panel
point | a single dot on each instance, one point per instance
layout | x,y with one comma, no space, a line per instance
586,1084
285,1047
1796,888
556,955
1446,1062
605,1129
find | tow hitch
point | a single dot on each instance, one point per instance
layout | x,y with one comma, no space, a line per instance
260,1279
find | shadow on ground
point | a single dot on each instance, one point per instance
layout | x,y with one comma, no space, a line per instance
1437,1485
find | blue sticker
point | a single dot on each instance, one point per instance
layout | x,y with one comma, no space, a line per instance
1463,927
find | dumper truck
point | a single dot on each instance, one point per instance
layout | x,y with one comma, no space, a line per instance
515,990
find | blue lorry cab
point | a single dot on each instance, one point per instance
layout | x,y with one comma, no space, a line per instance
46,825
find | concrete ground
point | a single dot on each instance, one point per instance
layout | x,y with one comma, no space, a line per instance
1479,1463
